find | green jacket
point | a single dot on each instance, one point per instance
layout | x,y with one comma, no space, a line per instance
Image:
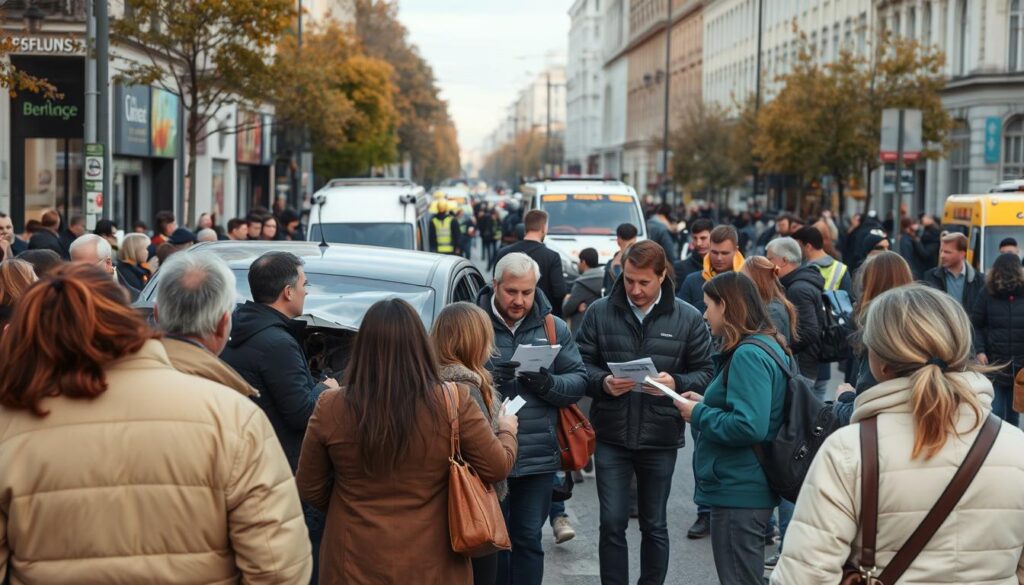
729,423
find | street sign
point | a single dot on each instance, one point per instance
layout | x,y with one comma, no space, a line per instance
94,167
993,125
912,135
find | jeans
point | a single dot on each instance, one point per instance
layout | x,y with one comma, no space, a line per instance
821,384
653,469
737,542
1002,403
785,515
526,508
557,508
315,522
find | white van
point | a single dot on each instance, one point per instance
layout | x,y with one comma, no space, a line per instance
584,213
389,213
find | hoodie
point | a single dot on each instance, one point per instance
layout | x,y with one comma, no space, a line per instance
265,349
804,287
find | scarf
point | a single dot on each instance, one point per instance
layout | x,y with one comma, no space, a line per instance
708,273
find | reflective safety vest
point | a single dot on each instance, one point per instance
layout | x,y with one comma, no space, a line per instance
443,232
834,275
497,231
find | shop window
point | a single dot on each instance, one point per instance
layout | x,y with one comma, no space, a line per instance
1013,148
960,158
53,176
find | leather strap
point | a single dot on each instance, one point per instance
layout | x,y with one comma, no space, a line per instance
868,492
549,329
451,399
947,501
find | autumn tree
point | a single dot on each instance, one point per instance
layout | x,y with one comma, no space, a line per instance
210,53
426,133
702,147
13,80
345,99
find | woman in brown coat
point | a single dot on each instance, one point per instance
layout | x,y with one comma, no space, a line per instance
375,458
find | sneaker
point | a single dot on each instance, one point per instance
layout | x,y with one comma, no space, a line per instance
577,477
771,562
701,528
562,530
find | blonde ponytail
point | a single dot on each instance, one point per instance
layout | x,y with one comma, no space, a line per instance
935,401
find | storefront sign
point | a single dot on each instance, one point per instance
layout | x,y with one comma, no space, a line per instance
35,115
993,125
163,128
131,118
249,139
40,44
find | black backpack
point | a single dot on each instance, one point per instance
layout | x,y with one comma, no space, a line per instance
836,327
806,423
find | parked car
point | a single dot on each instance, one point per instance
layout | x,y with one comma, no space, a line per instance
344,280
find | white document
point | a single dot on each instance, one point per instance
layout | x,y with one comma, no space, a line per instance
510,407
532,358
666,391
635,370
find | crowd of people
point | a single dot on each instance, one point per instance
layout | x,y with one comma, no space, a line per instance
200,447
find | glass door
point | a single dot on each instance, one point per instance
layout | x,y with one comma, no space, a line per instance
53,176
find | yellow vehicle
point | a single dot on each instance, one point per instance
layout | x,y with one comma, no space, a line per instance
986,220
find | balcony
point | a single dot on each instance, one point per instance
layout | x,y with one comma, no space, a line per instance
67,11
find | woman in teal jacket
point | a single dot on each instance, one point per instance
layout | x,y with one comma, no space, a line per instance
730,420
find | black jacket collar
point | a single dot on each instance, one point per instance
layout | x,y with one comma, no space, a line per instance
664,306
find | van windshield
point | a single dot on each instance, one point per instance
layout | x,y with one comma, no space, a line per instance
384,235
593,215
993,236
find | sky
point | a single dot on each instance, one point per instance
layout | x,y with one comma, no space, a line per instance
482,50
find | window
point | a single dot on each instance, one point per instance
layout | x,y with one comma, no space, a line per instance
960,158
926,26
961,68
1016,24
912,23
896,29
1013,148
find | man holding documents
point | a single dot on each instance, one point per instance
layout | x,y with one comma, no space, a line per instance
549,376
640,329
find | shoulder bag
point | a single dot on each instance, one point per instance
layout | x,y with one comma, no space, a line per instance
475,522
576,438
866,573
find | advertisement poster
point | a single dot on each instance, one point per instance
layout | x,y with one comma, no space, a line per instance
249,138
218,188
131,120
164,124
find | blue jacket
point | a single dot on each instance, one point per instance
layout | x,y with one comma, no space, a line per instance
692,291
538,419
731,421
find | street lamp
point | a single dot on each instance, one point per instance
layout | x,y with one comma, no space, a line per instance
34,18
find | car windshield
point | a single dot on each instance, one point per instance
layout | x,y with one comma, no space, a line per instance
585,214
994,235
385,235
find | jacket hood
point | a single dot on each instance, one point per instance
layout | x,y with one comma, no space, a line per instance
252,318
708,273
895,396
808,274
459,374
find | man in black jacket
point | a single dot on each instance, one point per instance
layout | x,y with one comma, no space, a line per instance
265,349
954,275
659,231
47,238
700,245
552,279
804,286
636,433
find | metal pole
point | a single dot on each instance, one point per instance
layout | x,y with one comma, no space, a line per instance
897,194
668,85
547,131
90,73
757,81
103,82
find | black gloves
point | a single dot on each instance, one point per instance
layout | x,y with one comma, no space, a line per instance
504,373
537,382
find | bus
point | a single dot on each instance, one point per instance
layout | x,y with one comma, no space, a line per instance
986,220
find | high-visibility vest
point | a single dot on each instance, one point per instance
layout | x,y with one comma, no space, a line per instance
497,231
443,231
834,275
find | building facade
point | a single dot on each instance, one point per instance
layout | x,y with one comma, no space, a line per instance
614,41
583,88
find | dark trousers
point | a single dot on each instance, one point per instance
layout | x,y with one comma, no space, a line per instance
653,468
315,521
490,249
1002,403
737,542
485,570
526,511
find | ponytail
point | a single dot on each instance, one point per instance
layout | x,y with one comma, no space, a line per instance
935,400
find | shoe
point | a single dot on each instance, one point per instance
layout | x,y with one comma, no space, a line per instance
701,528
771,562
589,467
772,537
577,477
562,530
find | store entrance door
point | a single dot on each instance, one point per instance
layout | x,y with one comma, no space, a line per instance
52,177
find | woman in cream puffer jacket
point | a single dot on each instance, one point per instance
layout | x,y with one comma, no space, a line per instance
983,539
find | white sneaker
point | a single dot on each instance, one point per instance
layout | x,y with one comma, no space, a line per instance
562,530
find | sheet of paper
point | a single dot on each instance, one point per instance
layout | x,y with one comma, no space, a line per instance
532,358
512,406
635,370
666,390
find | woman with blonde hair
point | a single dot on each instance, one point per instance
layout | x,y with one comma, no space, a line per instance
16,276
131,260
929,408
765,275
463,340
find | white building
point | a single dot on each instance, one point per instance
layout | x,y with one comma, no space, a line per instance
614,94
583,87
344,11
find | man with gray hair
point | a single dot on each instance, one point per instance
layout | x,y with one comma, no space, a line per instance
206,235
96,251
519,315
804,285
195,299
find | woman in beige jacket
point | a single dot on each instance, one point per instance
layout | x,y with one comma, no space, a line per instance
117,468
929,404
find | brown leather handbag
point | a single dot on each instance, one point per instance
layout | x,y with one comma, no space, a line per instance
1018,391
475,522
866,573
576,438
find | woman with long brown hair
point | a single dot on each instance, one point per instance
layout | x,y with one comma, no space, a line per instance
376,458
928,407
16,276
765,275
735,413
146,474
463,339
